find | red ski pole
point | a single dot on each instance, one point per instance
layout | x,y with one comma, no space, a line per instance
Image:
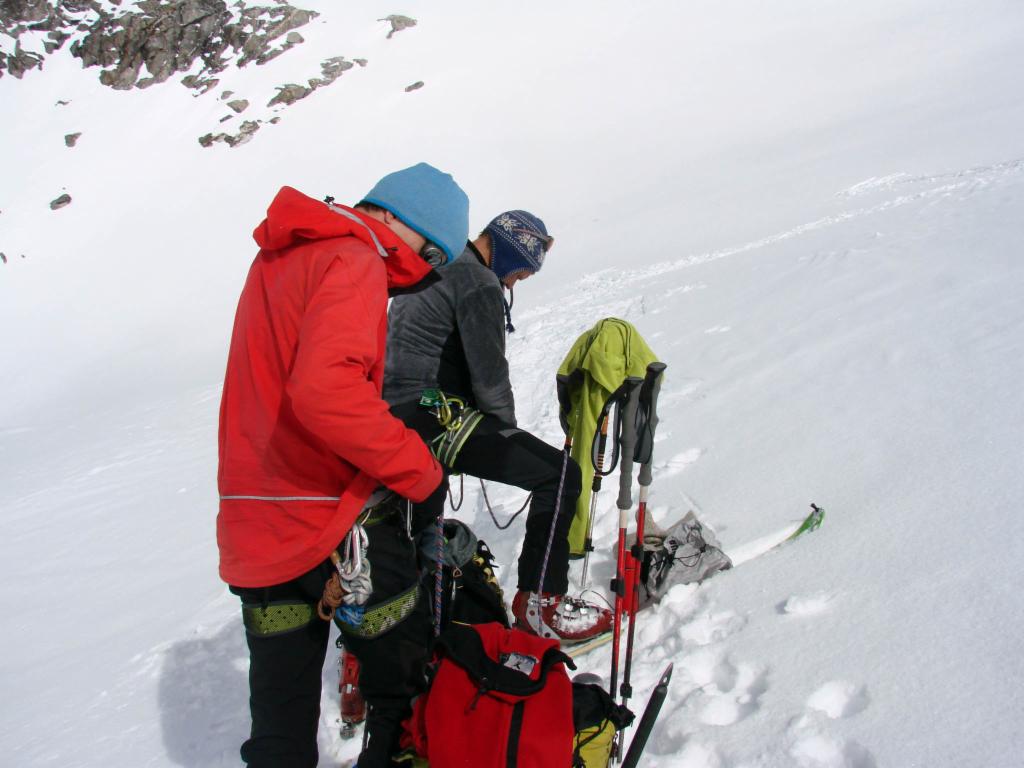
644,422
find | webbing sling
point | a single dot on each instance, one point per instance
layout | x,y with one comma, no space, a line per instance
380,618
276,618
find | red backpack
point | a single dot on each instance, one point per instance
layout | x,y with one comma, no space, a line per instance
500,698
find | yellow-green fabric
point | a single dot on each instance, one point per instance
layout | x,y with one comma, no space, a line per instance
276,618
606,355
594,744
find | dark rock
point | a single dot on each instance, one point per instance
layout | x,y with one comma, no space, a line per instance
199,84
13,12
71,139
20,62
244,135
226,95
170,36
61,103
398,23
361,62
60,202
239,105
225,118
294,38
414,87
3,257
270,55
333,68
289,94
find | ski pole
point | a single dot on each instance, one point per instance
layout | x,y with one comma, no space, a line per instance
620,584
648,719
646,416
618,587
588,541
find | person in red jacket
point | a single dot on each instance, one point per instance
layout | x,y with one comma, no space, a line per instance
310,457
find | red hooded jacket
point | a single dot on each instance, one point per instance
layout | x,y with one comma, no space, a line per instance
305,437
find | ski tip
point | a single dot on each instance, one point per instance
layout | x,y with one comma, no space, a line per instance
667,674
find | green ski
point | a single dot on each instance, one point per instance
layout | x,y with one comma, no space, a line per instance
812,522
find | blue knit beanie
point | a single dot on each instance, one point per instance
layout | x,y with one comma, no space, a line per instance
519,241
429,201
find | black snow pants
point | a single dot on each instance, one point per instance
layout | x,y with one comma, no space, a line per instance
286,661
502,453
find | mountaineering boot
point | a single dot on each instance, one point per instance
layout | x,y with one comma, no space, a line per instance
569,619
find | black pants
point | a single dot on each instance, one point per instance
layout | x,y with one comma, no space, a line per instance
285,669
505,454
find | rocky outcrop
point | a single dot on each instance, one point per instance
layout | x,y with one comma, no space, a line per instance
330,70
245,133
170,36
152,40
71,139
140,43
289,94
398,23
60,202
58,18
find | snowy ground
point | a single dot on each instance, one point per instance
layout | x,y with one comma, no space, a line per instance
813,212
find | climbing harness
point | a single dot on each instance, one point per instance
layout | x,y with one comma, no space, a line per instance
350,586
456,418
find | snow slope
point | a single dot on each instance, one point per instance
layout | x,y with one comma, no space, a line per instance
811,210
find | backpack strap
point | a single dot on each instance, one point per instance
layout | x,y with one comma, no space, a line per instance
464,646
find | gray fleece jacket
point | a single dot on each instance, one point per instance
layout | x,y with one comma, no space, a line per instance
451,335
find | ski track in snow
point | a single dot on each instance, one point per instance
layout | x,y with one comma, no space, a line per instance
606,288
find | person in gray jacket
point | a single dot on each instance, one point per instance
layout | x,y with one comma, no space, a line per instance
450,336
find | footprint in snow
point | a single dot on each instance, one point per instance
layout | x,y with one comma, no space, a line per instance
678,463
818,750
733,693
707,628
839,698
806,605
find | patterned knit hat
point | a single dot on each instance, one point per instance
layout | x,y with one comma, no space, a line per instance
519,241
429,201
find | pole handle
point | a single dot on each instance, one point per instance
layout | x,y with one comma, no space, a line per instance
627,440
647,421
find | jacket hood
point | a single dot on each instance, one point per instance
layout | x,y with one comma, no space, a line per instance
294,219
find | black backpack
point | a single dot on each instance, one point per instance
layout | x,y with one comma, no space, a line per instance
470,590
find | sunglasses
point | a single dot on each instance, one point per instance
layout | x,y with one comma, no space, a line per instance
546,240
433,254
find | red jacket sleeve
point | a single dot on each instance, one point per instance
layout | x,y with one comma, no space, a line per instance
332,390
